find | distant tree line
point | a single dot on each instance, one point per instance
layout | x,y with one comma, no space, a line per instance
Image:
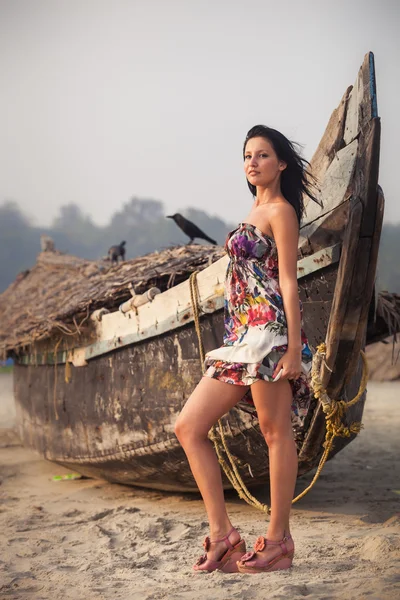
144,226
141,222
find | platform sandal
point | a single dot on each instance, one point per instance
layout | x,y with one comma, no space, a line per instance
228,561
251,563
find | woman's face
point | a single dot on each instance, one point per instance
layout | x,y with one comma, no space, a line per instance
261,164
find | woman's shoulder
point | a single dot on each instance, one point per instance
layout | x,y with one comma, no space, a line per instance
282,210
284,223
283,206
276,211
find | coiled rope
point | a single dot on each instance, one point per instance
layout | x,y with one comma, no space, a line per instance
334,411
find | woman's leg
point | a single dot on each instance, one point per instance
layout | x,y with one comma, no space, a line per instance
273,402
210,400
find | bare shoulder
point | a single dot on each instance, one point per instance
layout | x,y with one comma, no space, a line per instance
283,220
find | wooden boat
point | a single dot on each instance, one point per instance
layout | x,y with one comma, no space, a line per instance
100,394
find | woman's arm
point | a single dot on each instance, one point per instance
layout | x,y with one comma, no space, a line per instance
285,228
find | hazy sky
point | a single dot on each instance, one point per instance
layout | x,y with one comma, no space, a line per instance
102,100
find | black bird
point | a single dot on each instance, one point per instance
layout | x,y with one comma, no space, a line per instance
190,228
117,251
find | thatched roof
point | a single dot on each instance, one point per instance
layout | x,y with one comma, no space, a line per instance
60,291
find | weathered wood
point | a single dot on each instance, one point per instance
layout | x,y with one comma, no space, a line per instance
314,438
356,110
362,106
354,308
327,229
316,294
369,282
354,324
354,269
334,187
342,287
331,142
367,173
352,125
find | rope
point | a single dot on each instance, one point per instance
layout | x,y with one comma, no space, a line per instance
334,411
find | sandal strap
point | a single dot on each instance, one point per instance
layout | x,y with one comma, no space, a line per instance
286,538
262,542
224,539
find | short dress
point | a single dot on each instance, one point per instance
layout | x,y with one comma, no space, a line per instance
255,335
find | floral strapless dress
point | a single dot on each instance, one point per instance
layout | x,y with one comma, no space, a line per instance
255,335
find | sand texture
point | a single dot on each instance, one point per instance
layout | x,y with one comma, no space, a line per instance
89,539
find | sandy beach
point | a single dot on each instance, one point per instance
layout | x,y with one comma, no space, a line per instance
89,539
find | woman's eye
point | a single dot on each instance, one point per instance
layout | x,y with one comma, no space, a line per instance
246,156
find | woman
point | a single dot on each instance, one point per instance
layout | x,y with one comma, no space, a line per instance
264,348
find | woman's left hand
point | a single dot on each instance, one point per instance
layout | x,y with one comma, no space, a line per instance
291,365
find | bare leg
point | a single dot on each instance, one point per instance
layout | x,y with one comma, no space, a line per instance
273,403
210,400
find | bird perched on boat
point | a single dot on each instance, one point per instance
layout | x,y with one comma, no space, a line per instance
116,252
190,228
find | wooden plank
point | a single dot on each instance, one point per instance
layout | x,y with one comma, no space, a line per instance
312,445
351,318
367,174
354,309
328,230
362,105
315,319
342,289
360,291
369,109
335,190
369,284
331,142
351,128
372,86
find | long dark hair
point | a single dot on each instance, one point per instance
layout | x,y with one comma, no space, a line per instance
296,180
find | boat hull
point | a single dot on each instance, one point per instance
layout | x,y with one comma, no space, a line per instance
114,418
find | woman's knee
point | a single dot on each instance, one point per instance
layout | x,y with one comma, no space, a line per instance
266,429
186,430
274,434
